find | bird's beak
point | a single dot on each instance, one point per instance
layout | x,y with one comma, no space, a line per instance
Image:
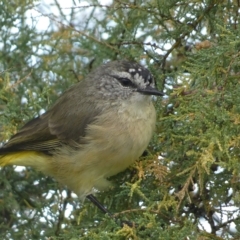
150,91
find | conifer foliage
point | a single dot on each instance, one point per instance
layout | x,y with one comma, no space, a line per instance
186,186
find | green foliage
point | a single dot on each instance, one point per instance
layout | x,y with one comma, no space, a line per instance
193,50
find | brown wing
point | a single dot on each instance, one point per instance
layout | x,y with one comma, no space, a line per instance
65,123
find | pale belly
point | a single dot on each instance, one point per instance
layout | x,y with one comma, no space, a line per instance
113,144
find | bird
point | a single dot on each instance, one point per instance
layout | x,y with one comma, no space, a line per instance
96,129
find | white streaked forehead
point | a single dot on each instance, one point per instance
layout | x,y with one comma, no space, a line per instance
139,80
138,74
132,70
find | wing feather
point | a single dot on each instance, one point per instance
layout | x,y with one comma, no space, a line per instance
64,123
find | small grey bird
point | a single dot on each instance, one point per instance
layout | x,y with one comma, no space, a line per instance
95,130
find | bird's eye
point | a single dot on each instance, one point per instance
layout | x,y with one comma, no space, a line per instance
126,82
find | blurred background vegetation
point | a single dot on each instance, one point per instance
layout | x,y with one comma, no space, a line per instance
186,186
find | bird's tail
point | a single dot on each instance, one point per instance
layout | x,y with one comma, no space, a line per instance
24,158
